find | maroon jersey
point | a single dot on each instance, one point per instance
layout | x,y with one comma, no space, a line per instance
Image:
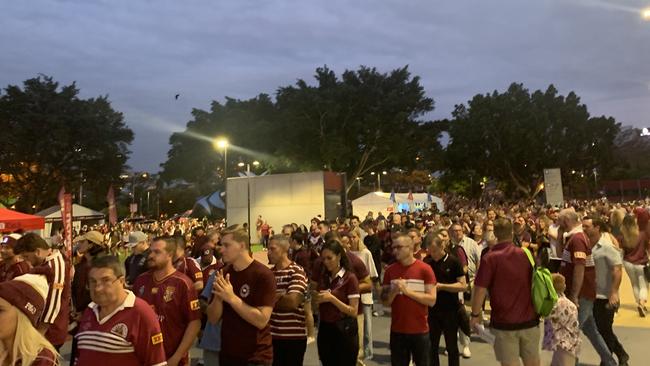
577,250
289,324
10,271
57,304
243,343
130,336
174,300
189,267
210,269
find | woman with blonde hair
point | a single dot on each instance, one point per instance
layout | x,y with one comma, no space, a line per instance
635,243
22,301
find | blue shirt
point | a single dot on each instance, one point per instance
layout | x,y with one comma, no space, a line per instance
211,339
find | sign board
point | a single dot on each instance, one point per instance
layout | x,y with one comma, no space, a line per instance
553,186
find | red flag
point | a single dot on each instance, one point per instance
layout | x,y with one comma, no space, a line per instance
112,209
67,223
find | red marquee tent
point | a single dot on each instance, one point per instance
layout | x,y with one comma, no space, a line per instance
13,220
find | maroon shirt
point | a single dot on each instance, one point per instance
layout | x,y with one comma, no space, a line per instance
577,250
44,358
344,286
639,254
242,343
305,258
189,267
10,271
506,272
130,336
57,305
358,268
174,300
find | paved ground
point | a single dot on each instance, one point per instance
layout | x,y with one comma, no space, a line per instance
633,332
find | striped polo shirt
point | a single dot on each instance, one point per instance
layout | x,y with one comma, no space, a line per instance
289,324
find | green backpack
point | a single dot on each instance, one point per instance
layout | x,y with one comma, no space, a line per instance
542,290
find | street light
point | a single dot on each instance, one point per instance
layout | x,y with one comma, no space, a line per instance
379,179
222,143
248,192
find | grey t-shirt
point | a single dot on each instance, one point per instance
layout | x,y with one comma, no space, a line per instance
606,256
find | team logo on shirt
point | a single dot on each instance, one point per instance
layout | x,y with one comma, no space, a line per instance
194,305
120,329
154,290
31,308
157,338
198,275
244,291
169,293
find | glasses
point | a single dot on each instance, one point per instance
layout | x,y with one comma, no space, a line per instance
104,282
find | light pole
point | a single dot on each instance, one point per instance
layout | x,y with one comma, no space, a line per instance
248,193
222,143
379,179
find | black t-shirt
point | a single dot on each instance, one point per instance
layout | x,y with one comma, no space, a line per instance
135,265
447,270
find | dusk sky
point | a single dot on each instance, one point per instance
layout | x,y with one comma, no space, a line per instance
142,53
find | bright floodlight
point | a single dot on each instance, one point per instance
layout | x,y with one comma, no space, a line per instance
240,164
256,163
221,143
645,13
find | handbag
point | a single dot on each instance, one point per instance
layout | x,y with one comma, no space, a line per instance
347,325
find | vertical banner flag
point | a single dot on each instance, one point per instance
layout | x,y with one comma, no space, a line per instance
67,223
112,209
411,203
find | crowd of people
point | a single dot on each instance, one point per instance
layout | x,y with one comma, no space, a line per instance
146,293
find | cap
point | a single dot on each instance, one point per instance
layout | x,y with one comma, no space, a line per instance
10,240
27,293
136,237
95,237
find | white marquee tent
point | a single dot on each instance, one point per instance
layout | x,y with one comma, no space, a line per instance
381,202
80,214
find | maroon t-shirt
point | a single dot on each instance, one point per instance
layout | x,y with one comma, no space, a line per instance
577,250
44,358
639,254
358,268
344,286
506,272
174,300
242,343
305,258
189,267
10,271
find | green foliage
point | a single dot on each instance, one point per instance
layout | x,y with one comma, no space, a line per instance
512,136
51,137
363,121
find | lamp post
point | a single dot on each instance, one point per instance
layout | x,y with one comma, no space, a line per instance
248,193
379,179
222,143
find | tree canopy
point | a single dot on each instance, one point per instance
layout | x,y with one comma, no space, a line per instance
51,137
513,136
362,121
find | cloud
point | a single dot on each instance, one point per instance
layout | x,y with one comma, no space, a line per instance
142,53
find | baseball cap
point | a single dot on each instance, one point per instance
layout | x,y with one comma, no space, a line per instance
136,237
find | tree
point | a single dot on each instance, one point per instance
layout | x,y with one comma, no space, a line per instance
631,151
51,137
513,136
363,121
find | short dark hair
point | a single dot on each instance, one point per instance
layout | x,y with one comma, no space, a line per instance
597,221
29,243
109,261
170,243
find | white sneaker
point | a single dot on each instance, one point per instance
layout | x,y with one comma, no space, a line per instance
466,352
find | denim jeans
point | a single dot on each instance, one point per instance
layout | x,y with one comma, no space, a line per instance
589,328
367,330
